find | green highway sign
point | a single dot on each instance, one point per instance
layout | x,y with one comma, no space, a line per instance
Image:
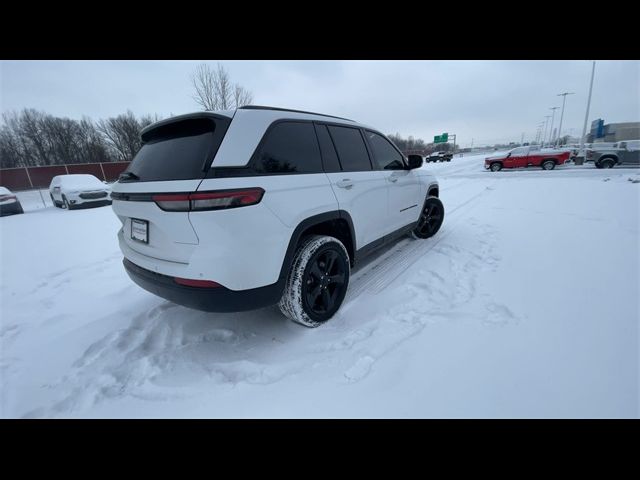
444,138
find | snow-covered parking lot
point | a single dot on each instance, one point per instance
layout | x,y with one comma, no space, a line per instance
525,304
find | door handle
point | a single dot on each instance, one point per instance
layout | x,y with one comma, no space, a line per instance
345,183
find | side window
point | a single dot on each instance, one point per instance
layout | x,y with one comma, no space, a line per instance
352,151
290,147
387,157
328,151
518,152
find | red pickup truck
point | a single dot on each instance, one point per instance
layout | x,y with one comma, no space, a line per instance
527,157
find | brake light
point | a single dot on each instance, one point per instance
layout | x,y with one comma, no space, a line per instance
196,283
202,201
7,197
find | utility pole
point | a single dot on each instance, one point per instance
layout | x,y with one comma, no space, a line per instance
522,139
553,114
564,98
546,124
586,115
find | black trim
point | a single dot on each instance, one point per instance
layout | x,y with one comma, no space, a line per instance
179,118
140,197
261,107
376,244
305,225
218,299
412,206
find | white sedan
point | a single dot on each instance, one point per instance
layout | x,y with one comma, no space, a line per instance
79,190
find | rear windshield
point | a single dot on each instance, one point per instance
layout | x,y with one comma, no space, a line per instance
178,151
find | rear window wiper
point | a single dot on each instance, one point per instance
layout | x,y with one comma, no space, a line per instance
128,176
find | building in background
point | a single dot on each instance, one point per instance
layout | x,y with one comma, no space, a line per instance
613,132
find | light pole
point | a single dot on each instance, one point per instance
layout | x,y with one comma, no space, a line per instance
553,115
564,98
546,124
586,115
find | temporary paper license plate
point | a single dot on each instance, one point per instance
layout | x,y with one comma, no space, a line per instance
140,230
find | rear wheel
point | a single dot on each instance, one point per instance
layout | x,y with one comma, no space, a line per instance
548,165
430,219
608,163
496,167
317,282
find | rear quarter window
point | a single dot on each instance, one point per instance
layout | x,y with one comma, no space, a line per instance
288,147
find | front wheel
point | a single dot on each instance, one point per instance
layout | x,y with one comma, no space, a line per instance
496,167
317,282
430,219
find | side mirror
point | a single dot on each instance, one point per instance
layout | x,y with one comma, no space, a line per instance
415,161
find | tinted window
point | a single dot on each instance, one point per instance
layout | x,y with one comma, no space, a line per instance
386,156
329,157
178,151
352,151
290,147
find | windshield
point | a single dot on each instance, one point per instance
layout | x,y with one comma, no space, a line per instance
81,181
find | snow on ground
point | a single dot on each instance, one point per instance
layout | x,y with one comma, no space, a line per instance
524,305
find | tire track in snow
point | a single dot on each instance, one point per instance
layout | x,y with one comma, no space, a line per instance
378,276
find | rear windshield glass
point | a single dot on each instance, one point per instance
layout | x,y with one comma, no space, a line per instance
177,151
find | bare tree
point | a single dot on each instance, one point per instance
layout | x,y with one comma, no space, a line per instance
214,90
242,96
122,134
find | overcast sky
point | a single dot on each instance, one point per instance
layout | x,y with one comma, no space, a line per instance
489,101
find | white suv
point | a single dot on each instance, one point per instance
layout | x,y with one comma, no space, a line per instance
241,209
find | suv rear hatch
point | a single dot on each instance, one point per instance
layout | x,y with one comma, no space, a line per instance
175,156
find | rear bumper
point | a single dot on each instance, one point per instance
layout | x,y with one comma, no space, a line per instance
218,299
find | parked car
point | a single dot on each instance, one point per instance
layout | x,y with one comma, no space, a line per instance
79,191
621,153
521,157
440,157
283,205
9,203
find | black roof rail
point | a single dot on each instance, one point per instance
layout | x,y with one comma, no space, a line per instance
261,107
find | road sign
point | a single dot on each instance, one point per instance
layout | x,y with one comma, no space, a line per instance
444,138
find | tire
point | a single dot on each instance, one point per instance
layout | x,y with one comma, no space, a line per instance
548,165
430,219
317,282
496,167
607,163
598,165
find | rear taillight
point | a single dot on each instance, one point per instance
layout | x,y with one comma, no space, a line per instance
7,197
196,283
201,201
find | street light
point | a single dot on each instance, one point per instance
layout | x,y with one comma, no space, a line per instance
586,115
564,98
553,114
546,124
